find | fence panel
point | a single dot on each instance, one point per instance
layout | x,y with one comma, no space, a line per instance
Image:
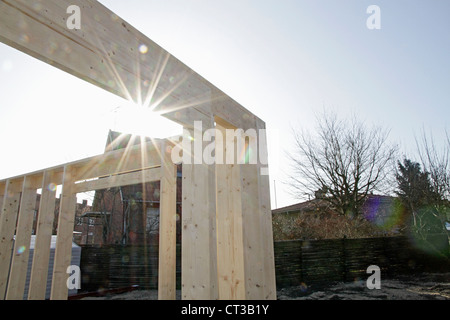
322,262
314,262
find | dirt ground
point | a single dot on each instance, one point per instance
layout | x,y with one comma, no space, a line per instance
430,286
421,287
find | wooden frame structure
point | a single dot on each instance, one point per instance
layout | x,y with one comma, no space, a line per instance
227,244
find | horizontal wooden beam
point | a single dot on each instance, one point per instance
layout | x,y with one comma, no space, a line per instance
132,158
111,54
125,179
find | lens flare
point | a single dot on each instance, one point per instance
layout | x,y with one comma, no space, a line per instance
21,250
385,212
303,287
425,232
143,49
51,187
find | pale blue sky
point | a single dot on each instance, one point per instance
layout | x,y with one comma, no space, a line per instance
282,60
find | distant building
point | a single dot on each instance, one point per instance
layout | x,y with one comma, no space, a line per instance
80,210
317,219
127,214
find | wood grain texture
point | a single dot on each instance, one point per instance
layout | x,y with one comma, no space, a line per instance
63,250
8,219
41,255
21,249
167,227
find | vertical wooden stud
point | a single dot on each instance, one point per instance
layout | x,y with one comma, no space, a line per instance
167,226
21,251
2,196
252,243
8,220
230,255
41,256
270,292
199,247
63,251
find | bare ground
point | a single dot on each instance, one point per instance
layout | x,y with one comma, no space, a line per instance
421,287
429,286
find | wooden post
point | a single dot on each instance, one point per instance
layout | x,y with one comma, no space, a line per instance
199,247
244,223
8,220
268,255
167,226
41,255
253,240
63,251
19,264
230,255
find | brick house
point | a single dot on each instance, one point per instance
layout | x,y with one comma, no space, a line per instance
127,214
81,209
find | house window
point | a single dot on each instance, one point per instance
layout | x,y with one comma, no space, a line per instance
152,220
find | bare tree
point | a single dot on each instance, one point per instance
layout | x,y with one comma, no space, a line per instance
107,203
343,162
436,161
415,191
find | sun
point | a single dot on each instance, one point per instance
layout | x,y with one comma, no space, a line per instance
135,119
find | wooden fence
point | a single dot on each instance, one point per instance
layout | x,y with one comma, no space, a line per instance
314,263
118,266
322,262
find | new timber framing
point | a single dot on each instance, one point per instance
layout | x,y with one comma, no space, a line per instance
227,247
115,168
